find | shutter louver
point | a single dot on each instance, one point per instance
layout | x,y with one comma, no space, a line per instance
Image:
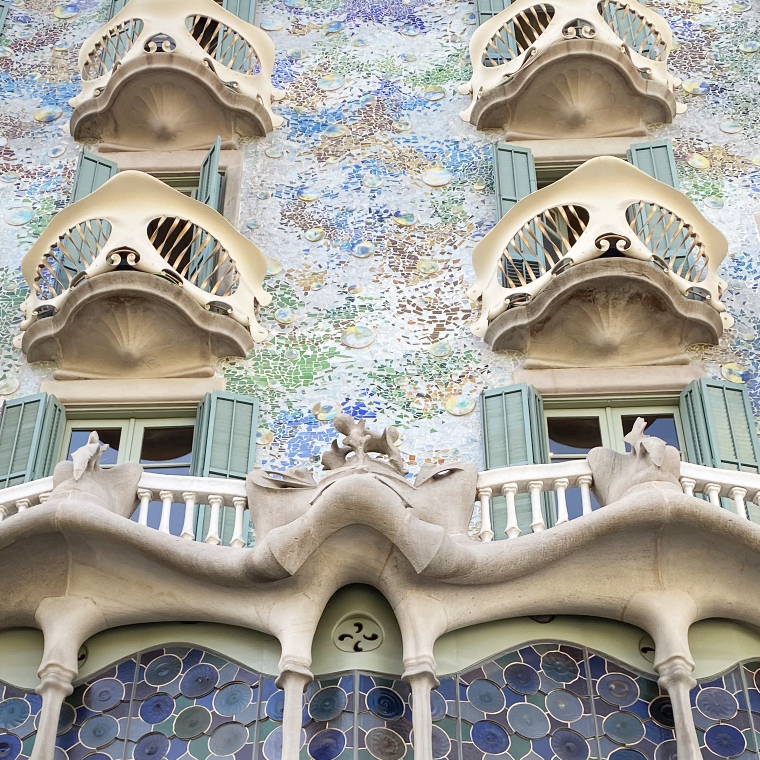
513,433
210,193
116,6
92,172
30,437
487,9
657,160
244,9
224,446
5,7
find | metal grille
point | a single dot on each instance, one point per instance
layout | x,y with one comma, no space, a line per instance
517,35
540,244
111,48
633,29
669,238
223,44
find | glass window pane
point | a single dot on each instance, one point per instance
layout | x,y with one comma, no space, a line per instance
573,435
111,436
164,470
167,444
658,425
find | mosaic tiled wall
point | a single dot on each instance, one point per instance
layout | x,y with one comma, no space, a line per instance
369,201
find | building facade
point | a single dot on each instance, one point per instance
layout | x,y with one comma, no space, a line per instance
379,380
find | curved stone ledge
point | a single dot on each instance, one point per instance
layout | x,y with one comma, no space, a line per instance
578,88
133,325
606,313
168,101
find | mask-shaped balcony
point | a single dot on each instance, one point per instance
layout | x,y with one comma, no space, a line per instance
138,280
175,75
606,267
571,69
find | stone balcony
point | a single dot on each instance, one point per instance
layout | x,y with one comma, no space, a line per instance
606,267
571,69
138,280
174,75
72,563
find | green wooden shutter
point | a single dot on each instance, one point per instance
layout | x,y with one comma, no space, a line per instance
514,434
30,438
116,6
92,172
202,264
245,9
5,6
657,160
515,174
224,446
487,9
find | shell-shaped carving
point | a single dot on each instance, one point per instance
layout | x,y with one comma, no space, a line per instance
111,48
517,35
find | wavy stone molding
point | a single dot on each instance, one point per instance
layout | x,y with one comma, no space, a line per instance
606,313
127,325
658,559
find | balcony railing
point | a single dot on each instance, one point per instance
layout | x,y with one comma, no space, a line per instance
606,207
136,222
239,55
180,493
505,45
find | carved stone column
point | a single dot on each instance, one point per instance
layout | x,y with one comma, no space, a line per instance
293,679
420,675
677,679
55,686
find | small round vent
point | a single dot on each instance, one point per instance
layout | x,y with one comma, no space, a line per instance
358,633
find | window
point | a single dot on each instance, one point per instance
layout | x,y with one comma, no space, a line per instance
244,9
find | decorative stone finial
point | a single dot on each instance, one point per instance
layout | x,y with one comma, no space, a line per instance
358,443
88,457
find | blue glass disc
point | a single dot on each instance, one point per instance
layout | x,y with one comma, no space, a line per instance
104,694
725,740
327,744
627,754
528,720
66,718
98,731
385,703
327,704
273,745
666,751
441,743
624,727
10,746
661,712
13,712
227,739
152,746
156,709
233,698
385,744
276,706
485,696
437,705
618,689
521,678
490,737
559,667
569,745
192,722
716,703
199,680
163,670
564,705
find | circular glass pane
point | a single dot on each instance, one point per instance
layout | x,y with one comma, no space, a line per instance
528,721
666,751
385,703
661,711
276,706
559,667
569,745
98,731
327,744
273,745
199,680
227,739
385,744
151,747
725,740
521,678
624,727
618,689
104,694
192,722
156,709
564,705
10,746
233,698
441,743
627,754
13,712
716,703
437,705
66,718
485,696
327,704
490,737
163,670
